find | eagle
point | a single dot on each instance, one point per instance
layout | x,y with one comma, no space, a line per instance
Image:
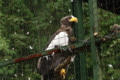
62,37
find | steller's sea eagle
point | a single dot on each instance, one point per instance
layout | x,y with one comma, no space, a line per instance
62,37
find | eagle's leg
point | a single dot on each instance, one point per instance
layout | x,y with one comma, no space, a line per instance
62,48
68,48
59,70
72,40
59,47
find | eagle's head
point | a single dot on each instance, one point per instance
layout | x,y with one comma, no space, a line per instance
68,20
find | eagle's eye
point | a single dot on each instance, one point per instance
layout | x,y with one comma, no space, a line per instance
68,18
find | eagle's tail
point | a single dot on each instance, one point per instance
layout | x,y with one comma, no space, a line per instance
41,77
44,77
48,77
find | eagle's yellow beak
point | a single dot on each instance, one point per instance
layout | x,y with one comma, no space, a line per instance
73,19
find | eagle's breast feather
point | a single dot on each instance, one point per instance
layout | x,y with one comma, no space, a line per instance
60,39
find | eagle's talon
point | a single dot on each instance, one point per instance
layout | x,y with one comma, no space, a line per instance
62,73
63,49
67,49
60,47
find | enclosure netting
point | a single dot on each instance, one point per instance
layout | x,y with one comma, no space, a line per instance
27,25
109,15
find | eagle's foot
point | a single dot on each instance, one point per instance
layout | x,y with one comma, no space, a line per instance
63,48
59,47
62,73
68,48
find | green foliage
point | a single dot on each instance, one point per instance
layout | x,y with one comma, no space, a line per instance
25,27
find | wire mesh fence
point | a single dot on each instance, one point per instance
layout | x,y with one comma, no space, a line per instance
27,25
110,13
